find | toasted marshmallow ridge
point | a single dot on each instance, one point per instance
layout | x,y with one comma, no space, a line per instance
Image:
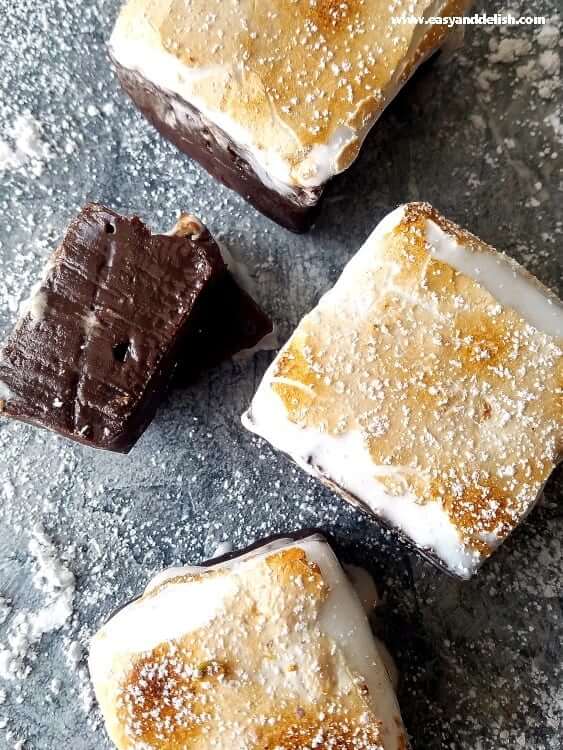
298,85
271,649
425,387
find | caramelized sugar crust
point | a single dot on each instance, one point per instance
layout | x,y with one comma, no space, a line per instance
294,72
260,676
458,400
309,730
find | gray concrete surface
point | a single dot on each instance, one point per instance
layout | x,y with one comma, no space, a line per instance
479,137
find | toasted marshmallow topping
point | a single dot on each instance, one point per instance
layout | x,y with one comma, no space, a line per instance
426,386
187,225
269,650
296,84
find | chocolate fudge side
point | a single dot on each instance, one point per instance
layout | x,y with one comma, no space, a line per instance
208,144
100,337
226,321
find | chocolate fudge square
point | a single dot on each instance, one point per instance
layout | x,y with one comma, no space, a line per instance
425,387
99,340
272,98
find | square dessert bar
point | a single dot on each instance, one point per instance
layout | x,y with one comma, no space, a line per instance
118,310
272,98
266,650
425,387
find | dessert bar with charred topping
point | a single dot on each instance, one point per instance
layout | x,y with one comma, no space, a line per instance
269,649
425,387
272,98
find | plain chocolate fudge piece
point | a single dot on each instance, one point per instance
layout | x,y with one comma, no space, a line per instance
272,98
270,648
99,340
226,321
425,387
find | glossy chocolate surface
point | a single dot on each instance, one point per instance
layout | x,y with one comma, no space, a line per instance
116,309
226,321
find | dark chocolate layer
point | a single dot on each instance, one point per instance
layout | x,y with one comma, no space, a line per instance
226,321
291,536
213,149
116,310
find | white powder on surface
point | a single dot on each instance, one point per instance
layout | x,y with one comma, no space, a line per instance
55,686
86,692
508,50
52,576
28,145
550,62
478,121
224,548
55,580
531,62
555,122
548,36
74,653
528,71
7,488
538,60
5,609
486,77
26,131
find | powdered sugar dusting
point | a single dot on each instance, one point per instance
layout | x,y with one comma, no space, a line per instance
26,628
24,146
464,651
533,56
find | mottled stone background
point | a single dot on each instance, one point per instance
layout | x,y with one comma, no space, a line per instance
481,662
